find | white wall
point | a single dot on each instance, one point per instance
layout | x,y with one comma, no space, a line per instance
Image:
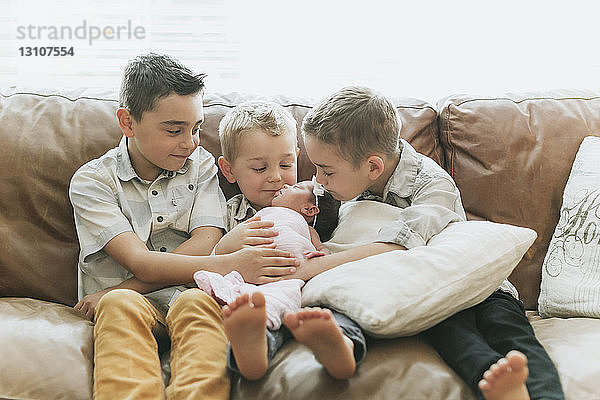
423,49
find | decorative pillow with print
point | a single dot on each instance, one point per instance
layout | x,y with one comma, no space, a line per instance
571,270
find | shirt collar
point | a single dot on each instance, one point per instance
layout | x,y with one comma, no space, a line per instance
243,209
402,180
125,170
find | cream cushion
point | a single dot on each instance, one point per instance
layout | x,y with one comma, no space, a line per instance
571,270
403,292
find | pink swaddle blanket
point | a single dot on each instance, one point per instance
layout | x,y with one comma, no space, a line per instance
280,297
292,228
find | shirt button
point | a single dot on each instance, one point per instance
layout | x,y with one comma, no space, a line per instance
191,187
154,193
163,249
159,219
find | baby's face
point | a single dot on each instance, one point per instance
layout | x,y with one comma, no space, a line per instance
264,165
295,197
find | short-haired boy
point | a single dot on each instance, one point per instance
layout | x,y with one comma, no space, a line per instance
147,215
352,137
260,152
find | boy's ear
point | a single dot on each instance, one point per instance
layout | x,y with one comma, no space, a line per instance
310,210
225,168
376,166
125,122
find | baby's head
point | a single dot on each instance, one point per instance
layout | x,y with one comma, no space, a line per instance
300,197
260,150
349,136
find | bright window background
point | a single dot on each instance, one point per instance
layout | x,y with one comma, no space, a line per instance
422,49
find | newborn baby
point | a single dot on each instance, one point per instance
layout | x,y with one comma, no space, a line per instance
293,211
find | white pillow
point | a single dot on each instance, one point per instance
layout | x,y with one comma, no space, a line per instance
571,270
403,292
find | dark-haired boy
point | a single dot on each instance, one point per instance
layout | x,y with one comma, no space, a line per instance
147,215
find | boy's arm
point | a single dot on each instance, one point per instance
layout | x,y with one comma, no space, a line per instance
315,266
200,243
252,232
316,239
434,204
255,264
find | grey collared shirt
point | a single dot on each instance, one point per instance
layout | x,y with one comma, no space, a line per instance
429,200
109,198
239,209
427,195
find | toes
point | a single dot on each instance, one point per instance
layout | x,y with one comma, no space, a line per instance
314,313
239,301
258,299
291,320
483,384
516,359
226,311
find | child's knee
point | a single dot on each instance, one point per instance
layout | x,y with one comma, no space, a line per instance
196,301
123,301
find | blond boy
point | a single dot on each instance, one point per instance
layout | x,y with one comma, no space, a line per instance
260,154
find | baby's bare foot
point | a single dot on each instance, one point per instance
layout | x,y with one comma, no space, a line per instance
245,325
505,380
316,328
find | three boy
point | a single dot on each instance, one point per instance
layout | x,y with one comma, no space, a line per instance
133,216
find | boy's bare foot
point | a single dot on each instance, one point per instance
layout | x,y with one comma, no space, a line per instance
505,380
245,325
316,328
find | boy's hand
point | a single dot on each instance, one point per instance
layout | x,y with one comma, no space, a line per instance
265,264
87,305
252,232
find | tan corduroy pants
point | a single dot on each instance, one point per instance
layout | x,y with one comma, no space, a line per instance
126,361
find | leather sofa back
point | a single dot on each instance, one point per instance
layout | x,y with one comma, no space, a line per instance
46,135
511,156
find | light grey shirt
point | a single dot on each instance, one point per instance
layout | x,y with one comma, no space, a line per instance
427,195
429,200
239,209
109,198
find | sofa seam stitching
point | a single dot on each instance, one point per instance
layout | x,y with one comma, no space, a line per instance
526,99
57,95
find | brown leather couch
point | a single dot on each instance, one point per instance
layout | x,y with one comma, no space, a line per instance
510,156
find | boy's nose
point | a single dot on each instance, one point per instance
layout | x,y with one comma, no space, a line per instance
319,178
275,176
189,141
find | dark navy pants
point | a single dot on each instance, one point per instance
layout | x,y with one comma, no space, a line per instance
472,340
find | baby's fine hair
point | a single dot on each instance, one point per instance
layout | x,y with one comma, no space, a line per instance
150,77
327,218
270,117
358,121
